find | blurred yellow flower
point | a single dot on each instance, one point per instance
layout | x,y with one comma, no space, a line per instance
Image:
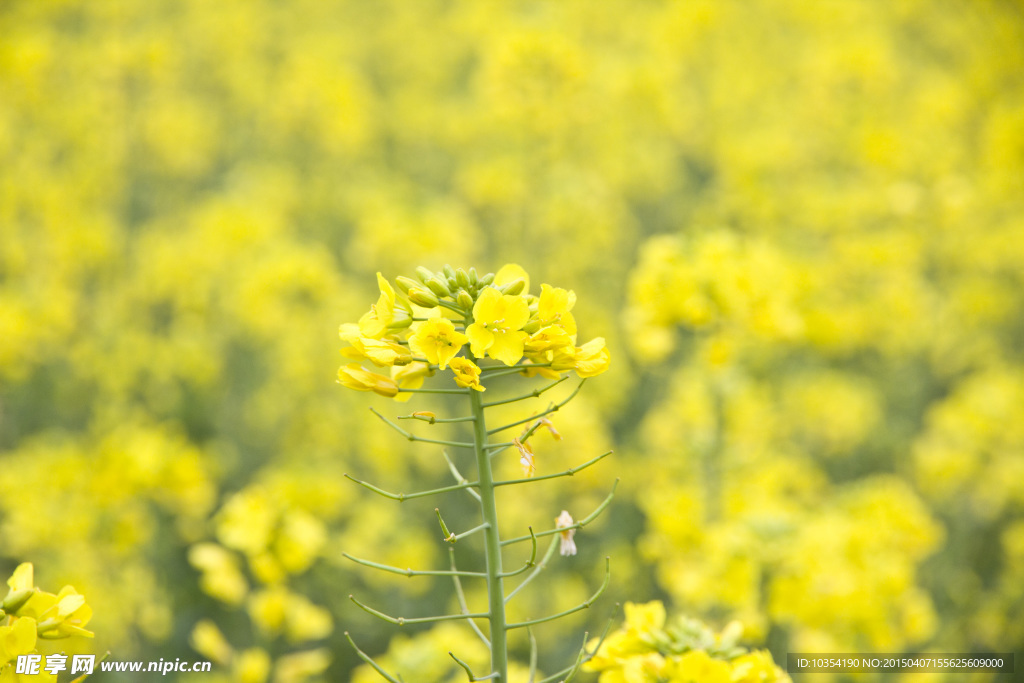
18,638
592,358
355,377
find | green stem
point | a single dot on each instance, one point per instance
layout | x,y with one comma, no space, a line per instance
492,541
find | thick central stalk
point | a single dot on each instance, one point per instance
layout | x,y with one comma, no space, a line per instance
492,542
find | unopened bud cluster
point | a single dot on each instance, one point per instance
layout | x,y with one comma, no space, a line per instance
424,324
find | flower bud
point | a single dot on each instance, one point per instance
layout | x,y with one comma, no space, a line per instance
16,599
401,320
438,286
423,274
515,287
462,278
486,280
407,282
448,271
422,297
464,299
473,279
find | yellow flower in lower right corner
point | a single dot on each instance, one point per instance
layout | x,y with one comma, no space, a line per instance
467,373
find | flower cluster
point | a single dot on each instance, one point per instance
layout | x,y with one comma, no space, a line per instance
646,649
27,614
424,326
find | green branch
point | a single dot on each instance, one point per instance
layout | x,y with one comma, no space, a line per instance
435,420
458,475
529,563
401,497
578,525
548,554
533,394
412,437
366,658
567,473
582,606
408,572
552,408
402,621
461,595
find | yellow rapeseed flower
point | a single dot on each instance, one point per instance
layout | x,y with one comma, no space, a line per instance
355,377
381,352
554,308
438,341
467,374
384,314
497,327
410,376
19,638
592,358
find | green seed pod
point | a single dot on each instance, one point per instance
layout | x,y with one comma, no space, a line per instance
449,272
515,287
422,297
438,286
486,280
407,283
464,299
462,278
423,274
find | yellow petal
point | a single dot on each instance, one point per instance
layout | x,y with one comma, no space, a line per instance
509,272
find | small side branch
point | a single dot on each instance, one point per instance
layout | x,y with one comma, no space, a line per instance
532,394
582,606
552,408
533,655
458,475
366,658
469,672
409,572
578,525
401,497
402,621
461,595
431,419
570,672
548,554
529,563
567,473
412,437
586,656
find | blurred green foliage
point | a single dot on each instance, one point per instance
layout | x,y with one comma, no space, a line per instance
799,225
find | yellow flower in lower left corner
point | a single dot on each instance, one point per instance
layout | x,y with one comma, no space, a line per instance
17,639
61,615
355,377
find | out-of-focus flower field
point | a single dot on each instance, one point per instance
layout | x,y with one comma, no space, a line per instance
799,226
